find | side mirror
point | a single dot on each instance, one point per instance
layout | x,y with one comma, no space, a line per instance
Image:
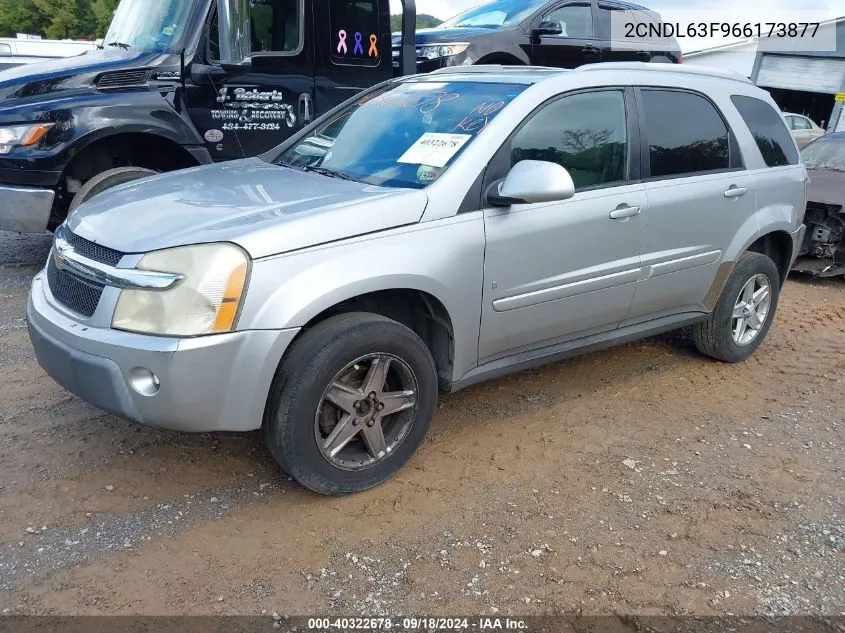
531,182
203,75
548,28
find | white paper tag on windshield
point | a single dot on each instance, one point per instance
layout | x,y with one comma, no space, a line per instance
434,149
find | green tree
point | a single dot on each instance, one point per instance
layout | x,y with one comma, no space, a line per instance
103,13
423,22
72,19
21,16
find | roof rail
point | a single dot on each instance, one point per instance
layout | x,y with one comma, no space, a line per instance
493,68
670,68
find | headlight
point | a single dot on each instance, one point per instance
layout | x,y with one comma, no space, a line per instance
206,301
21,135
436,51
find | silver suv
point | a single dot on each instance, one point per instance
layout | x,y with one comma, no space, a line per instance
428,234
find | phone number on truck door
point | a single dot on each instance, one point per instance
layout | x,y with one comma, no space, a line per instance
251,126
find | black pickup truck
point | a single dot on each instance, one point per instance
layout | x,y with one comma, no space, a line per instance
180,83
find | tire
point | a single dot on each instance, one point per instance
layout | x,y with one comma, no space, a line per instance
106,180
716,337
337,351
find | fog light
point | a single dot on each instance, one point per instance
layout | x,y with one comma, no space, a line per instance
144,381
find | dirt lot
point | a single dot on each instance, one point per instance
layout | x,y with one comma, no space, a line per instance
644,479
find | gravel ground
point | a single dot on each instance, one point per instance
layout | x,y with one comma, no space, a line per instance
642,480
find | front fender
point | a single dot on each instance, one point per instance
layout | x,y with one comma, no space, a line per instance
444,259
84,119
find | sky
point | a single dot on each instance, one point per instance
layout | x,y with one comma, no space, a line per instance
682,11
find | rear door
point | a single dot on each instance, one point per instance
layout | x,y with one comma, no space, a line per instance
353,50
246,109
699,195
610,15
576,45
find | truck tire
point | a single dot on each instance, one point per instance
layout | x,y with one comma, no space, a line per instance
327,422
744,312
107,180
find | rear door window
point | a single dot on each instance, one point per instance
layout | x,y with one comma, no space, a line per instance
685,134
768,129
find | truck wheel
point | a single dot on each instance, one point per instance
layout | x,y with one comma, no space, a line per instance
350,403
107,180
744,312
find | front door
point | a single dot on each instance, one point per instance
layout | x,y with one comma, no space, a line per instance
354,49
246,109
563,270
576,42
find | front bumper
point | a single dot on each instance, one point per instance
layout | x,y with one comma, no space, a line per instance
210,383
25,209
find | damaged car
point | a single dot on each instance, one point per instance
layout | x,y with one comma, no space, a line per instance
823,252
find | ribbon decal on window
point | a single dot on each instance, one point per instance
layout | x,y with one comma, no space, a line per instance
359,47
341,44
373,52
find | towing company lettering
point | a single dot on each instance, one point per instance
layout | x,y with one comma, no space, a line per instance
247,106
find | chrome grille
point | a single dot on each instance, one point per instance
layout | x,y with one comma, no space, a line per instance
88,249
77,294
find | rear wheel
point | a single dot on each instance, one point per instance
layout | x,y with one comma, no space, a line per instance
106,180
744,312
351,403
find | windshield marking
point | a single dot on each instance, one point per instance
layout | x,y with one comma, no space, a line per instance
478,119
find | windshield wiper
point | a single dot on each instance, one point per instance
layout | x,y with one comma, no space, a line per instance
119,45
331,173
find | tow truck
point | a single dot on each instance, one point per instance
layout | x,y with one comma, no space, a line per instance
179,83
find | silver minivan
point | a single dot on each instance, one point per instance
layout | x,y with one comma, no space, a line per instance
428,234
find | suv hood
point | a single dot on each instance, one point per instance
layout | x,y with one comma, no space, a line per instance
827,187
264,208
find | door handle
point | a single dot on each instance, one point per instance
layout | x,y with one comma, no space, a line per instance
736,192
305,110
590,50
624,212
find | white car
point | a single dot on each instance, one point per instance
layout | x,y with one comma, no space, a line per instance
803,129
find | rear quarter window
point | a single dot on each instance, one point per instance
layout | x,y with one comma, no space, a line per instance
768,129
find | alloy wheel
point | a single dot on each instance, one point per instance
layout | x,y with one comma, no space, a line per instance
366,411
751,310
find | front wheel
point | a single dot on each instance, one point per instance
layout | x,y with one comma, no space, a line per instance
351,403
744,312
106,180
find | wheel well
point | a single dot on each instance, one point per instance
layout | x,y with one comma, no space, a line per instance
505,59
778,247
121,150
419,311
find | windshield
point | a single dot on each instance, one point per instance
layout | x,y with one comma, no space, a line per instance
825,153
495,14
405,135
149,25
